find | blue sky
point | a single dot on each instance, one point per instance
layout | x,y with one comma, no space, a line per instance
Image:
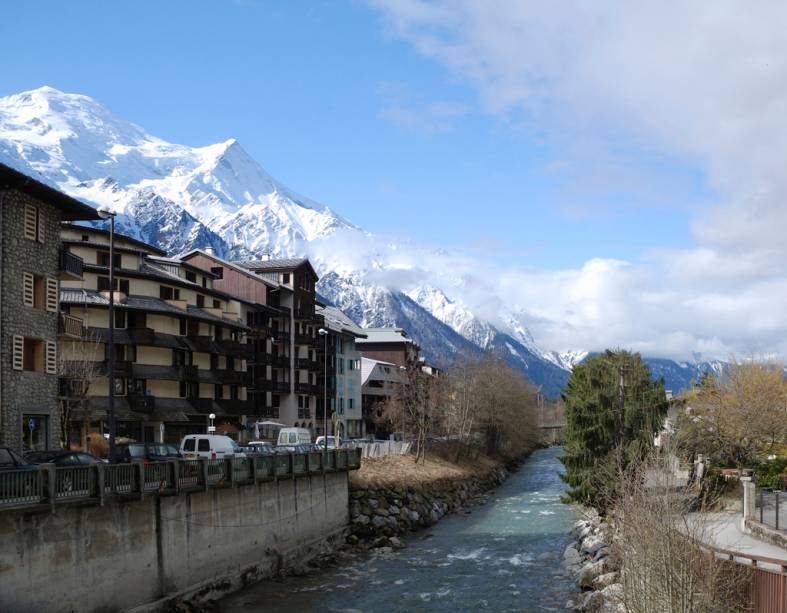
331,103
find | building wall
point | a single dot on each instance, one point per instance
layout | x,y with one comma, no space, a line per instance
23,393
384,353
71,560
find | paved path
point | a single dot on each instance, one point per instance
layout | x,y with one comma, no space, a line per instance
723,531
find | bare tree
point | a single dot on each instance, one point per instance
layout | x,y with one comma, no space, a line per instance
78,366
666,564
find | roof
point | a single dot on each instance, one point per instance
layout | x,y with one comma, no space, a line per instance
338,321
147,247
238,267
71,208
368,365
85,297
385,335
280,265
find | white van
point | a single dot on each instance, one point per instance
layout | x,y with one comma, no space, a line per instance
294,436
209,447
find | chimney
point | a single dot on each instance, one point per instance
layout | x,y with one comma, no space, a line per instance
208,250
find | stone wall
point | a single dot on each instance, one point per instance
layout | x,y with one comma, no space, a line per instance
379,515
25,392
146,554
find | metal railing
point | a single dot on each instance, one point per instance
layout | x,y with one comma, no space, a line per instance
770,508
47,485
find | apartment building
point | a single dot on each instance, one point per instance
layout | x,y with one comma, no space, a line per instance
343,371
293,333
389,345
181,348
379,383
32,265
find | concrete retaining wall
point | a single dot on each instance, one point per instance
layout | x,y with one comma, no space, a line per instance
142,553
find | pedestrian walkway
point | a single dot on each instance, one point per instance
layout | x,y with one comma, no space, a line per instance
723,531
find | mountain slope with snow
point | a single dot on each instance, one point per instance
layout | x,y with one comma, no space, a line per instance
179,197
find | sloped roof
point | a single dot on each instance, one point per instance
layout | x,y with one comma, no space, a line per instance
71,208
82,297
236,266
338,321
368,365
280,265
385,335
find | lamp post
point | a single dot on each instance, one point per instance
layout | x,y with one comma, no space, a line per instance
211,427
324,333
106,213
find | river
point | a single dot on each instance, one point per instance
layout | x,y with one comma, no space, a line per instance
503,556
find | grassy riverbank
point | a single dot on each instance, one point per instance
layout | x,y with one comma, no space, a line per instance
392,471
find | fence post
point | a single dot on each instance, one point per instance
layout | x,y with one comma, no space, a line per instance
139,469
100,479
175,465
204,472
229,467
48,475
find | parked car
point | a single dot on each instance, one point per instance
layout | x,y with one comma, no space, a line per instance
294,436
147,452
334,442
11,460
297,448
210,447
62,457
258,447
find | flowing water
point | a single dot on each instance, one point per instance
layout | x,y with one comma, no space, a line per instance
503,556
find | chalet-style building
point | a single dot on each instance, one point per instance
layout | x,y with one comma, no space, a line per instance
32,265
379,383
389,345
343,371
181,347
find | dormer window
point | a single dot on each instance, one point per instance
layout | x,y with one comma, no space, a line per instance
218,271
191,276
285,278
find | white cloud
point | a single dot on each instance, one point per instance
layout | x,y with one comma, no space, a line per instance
703,84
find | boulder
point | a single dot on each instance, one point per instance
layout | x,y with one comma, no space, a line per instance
591,544
378,521
381,511
373,503
589,572
605,580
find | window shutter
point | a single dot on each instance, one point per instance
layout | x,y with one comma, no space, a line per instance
18,352
41,226
31,215
28,289
51,358
52,295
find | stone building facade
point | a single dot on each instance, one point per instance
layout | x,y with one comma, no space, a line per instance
30,270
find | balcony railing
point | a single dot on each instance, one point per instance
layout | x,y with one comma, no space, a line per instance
280,336
71,326
46,486
70,265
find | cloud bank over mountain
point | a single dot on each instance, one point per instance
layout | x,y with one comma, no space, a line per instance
627,92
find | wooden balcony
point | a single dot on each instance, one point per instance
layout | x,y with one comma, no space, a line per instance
70,326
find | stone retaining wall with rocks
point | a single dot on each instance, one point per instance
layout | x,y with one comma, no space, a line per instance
597,575
379,515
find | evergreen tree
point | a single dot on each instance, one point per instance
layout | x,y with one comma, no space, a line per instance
613,408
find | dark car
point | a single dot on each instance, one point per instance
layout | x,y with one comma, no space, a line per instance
62,457
147,452
10,460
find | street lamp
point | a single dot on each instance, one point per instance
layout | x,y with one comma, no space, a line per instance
211,427
106,213
324,333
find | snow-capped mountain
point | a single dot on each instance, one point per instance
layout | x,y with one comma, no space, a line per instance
179,197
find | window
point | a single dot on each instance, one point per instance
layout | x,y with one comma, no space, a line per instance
34,223
200,301
350,404
121,285
285,278
182,324
218,391
188,445
216,304
85,238
169,293
33,355
120,386
341,366
191,276
40,292
205,282
102,259
218,271
35,432
120,318
203,445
